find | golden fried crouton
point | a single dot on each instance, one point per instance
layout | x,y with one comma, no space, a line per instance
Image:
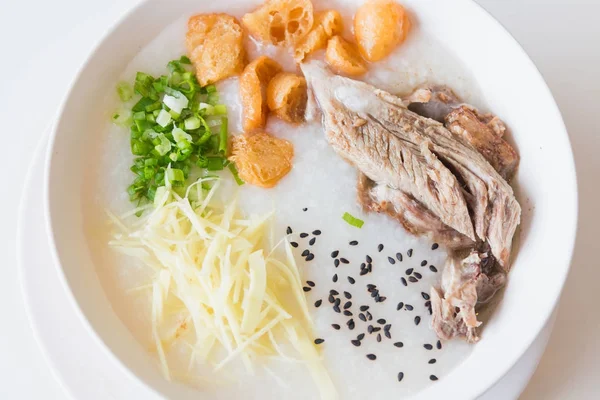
261,159
280,22
287,96
380,26
327,24
343,57
253,88
214,44
331,21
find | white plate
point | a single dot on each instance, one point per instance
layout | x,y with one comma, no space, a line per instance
78,363
513,89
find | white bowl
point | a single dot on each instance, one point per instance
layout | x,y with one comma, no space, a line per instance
514,89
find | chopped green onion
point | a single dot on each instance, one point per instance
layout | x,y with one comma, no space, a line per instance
235,174
207,108
192,123
185,60
211,89
223,136
125,91
175,175
163,118
180,135
215,164
220,109
176,101
356,222
164,147
142,104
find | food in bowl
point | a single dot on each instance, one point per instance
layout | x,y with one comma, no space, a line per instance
184,160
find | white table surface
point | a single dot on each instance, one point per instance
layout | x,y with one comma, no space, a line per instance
43,42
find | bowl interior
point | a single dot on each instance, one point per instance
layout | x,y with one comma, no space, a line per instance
512,88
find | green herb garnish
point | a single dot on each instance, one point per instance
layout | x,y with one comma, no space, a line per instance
173,122
356,222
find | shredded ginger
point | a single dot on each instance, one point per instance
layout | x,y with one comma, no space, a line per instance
236,295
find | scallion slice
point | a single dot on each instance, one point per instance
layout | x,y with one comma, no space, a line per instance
125,91
356,222
163,118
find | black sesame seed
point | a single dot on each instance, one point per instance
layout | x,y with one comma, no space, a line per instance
351,280
388,334
409,307
312,241
375,293
381,321
370,267
335,278
347,295
423,263
417,320
289,230
409,252
336,263
399,306
391,260
428,303
400,376
370,329
310,257
355,342
438,345
337,309
370,286
363,266
348,313
310,283
347,305
344,261
432,361
433,377
362,317
418,275
409,271
318,303
376,298
363,272
399,344
413,279
428,346
350,324
331,299
335,253
376,329
337,302
305,209
335,326
403,281
433,268
306,289
387,327
382,299
319,341
334,292
360,337
380,247
364,308
399,256
369,259
353,243
434,246
379,337
372,357
303,235
294,244
316,232
425,296
369,316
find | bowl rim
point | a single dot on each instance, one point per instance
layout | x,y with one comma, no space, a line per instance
482,387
